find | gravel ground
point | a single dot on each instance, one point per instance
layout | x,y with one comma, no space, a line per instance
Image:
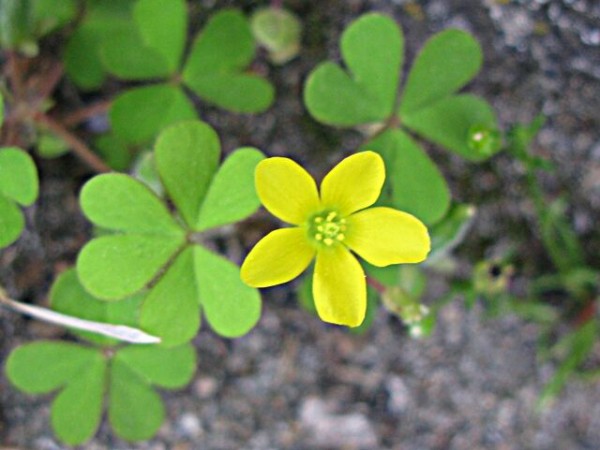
296,383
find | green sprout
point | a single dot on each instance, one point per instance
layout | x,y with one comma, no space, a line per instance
279,31
148,248
98,375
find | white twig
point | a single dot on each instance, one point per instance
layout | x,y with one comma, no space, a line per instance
121,332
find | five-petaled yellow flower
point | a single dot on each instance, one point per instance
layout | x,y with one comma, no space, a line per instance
330,226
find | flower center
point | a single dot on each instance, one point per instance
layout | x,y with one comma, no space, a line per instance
327,227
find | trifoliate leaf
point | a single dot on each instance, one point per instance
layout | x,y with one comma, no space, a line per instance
231,196
164,367
135,410
171,309
414,182
139,114
116,266
372,48
44,366
77,410
122,203
449,123
187,156
18,176
231,307
432,77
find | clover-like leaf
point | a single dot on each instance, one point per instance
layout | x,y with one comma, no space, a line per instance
163,27
432,78
18,176
171,309
214,69
165,367
48,15
85,375
121,203
44,366
231,307
116,266
11,221
101,21
187,156
414,183
68,296
231,195
135,409
372,48
18,184
77,410
139,114
153,46
449,123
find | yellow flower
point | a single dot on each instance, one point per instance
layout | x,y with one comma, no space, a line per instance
330,226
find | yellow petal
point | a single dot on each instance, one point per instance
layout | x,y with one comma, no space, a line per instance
385,236
279,257
286,189
355,183
339,287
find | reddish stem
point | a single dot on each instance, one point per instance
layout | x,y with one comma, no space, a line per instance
380,288
76,117
80,149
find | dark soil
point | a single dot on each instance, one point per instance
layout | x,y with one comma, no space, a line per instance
296,383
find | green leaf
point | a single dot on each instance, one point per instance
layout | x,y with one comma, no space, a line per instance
187,156
82,52
415,183
1,110
372,48
116,266
120,202
238,93
449,123
68,296
114,152
219,54
18,176
77,410
171,309
279,31
15,23
44,366
11,222
163,28
126,55
225,45
165,367
231,196
135,410
50,146
139,114
432,77
48,15
231,307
